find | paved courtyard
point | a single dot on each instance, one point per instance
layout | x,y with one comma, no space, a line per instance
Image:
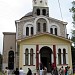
48,73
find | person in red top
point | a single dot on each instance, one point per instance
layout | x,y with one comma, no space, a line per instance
53,66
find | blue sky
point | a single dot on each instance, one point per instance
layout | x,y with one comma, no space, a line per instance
11,10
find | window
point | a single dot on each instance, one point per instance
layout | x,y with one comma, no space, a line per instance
38,27
44,12
31,56
44,27
51,30
55,31
41,25
27,31
11,60
64,56
26,57
31,30
59,56
38,12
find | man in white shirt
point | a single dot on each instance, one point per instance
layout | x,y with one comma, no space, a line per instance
6,72
21,72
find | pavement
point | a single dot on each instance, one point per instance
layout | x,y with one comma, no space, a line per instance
49,74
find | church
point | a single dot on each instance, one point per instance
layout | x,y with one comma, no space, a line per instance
38,39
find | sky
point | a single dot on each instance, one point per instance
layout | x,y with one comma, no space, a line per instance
12,10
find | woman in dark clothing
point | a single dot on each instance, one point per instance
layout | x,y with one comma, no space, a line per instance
66,69
16,72
29,72
41,66
55,71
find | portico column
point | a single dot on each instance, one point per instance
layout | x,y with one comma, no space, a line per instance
37,56
39,61
54,54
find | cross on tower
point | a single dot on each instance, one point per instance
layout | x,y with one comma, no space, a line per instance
41,1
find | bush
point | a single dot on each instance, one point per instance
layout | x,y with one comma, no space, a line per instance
0,73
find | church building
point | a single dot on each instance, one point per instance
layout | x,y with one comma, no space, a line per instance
38,39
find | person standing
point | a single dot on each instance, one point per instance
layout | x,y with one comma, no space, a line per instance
21,72
41,72
53,66
41,66
70,72
6,72
16,72
29,72
66,70
62,71
55,71
45,71
41,69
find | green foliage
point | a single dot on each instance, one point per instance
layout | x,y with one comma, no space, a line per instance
72,9
0,62
73,12
73,39
73,55
0,73
72,48
73,33
73,16
73,3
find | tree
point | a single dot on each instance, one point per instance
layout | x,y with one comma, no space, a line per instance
0,61
73,33
73,12
73,16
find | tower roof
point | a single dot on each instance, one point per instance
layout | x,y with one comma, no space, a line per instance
29,14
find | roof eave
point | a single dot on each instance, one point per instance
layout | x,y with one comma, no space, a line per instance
29,37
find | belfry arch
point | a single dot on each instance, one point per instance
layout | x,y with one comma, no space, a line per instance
46,57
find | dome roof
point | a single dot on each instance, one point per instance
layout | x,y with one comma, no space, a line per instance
29,14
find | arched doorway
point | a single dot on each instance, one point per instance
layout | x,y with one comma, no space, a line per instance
46,57
11,60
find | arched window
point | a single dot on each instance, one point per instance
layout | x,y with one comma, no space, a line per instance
26,56
55,31
11,60
27,31
38,12
51,30
59,56
31,56
31,30
38,27
44,27
64,56
44,12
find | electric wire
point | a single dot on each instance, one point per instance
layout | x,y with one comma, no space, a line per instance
60,10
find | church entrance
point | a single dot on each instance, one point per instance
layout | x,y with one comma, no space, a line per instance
11,60
46,57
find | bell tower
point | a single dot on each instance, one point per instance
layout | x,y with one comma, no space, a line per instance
40,7
40,3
